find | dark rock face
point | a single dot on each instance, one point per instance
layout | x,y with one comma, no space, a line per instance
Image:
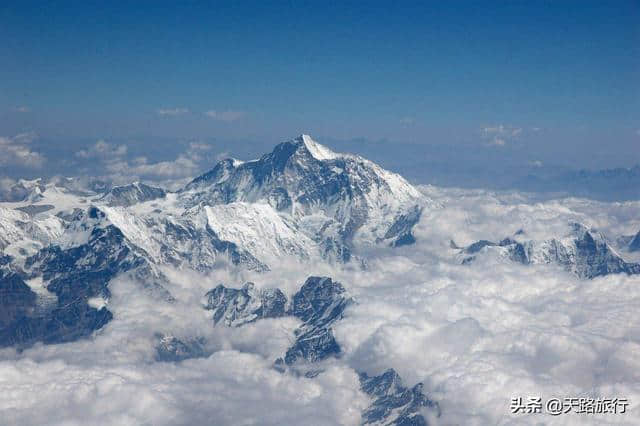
478,245
16,298
291,173
22,323
587,255
23,190
220,172
34,209
319,303
70,216
320,300
290,168
5,259
133,193
184,242
312,345
334,248
401,231
595,258
237,255
73,276
237,307
172,349
634,245
393,403
279,199
83,271
295,173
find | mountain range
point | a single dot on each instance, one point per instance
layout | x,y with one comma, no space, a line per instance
61,245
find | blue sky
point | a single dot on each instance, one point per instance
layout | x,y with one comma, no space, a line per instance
556,82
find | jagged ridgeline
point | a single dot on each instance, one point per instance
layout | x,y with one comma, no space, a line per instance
319,305
583,252
61,246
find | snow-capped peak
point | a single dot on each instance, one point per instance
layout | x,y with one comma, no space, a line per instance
318,151
336,200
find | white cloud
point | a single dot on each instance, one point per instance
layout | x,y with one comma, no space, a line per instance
500,135
122,169
229,387
407,121
476,335
222,156
102,150
172,111
536,163
16,151
22,109
168,173
227,115
71,383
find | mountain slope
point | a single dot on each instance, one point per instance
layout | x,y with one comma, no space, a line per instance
133,193
319,304
581,251
337,200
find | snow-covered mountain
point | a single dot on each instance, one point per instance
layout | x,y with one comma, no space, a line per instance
630,243
133,193
582,251
319,304
75,260
301,202
634,245
338,201
393,403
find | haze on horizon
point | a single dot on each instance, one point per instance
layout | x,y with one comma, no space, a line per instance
428,90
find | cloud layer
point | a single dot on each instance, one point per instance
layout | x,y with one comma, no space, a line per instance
121,168
17,151
476,335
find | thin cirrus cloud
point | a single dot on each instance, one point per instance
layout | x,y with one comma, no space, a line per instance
219,115
228,115
171,112
500,135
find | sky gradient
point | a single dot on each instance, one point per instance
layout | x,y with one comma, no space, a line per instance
551,82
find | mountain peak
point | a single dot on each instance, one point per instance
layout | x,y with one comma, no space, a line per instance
341,200
133,193
317,151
